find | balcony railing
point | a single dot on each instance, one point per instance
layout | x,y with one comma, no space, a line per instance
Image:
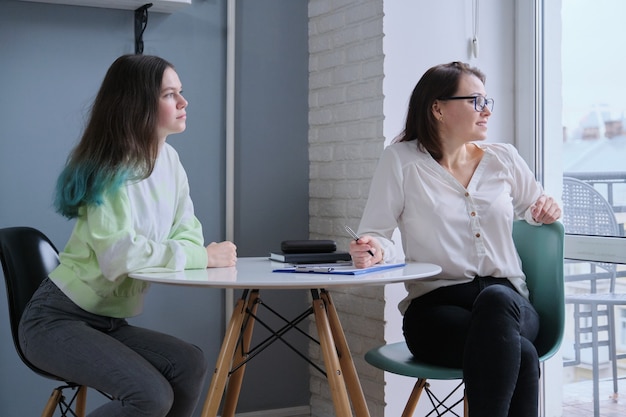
611,184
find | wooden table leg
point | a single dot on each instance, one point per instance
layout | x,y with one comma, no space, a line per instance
224,361
234,382
331,360
345,359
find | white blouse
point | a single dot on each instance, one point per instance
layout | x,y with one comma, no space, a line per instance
466,231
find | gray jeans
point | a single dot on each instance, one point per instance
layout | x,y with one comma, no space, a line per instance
146,372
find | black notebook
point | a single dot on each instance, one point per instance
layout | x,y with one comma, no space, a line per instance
310,258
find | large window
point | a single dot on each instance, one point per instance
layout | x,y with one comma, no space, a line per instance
575,93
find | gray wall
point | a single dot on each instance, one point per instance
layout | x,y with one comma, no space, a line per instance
52,60
271,183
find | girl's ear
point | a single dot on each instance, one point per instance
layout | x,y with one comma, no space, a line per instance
436,109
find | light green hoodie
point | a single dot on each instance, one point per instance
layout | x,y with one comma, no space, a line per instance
146,226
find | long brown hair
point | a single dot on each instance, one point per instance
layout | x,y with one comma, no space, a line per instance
439,81
120,140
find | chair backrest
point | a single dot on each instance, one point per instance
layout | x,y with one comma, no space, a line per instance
541,251
586,211
27,257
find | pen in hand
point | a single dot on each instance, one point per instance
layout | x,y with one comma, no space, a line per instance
356,238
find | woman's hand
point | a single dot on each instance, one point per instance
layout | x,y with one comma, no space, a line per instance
545,210
359,251
221,254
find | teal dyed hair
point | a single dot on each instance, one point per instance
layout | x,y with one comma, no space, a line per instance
120,140
84,185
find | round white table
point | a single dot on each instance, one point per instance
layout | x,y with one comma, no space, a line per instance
257,273
254,274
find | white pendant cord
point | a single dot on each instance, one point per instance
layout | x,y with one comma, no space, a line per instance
475,15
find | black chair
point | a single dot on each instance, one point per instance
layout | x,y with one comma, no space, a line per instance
27,257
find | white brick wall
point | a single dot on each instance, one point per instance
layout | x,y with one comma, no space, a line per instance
345,141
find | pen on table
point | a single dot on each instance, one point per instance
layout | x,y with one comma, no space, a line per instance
323,269
356,238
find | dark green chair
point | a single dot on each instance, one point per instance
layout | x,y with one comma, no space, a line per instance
541,250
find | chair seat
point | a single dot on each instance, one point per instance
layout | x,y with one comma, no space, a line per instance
396,358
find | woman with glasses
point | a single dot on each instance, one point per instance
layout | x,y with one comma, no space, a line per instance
454,200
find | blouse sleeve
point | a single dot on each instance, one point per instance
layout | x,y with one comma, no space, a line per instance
527,189
385,203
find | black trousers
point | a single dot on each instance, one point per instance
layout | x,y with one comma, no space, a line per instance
487,328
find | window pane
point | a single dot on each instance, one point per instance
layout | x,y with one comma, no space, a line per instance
594,200
593,324
594,109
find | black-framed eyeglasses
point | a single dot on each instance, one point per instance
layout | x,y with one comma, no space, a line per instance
480,102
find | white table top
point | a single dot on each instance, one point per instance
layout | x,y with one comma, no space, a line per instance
256,273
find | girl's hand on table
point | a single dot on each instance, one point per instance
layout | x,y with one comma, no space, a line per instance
221,254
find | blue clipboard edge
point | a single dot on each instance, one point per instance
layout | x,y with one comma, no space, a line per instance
337,270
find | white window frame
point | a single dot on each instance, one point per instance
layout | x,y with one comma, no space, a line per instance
538,118
538,114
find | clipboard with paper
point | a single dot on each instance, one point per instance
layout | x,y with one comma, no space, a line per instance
343,269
